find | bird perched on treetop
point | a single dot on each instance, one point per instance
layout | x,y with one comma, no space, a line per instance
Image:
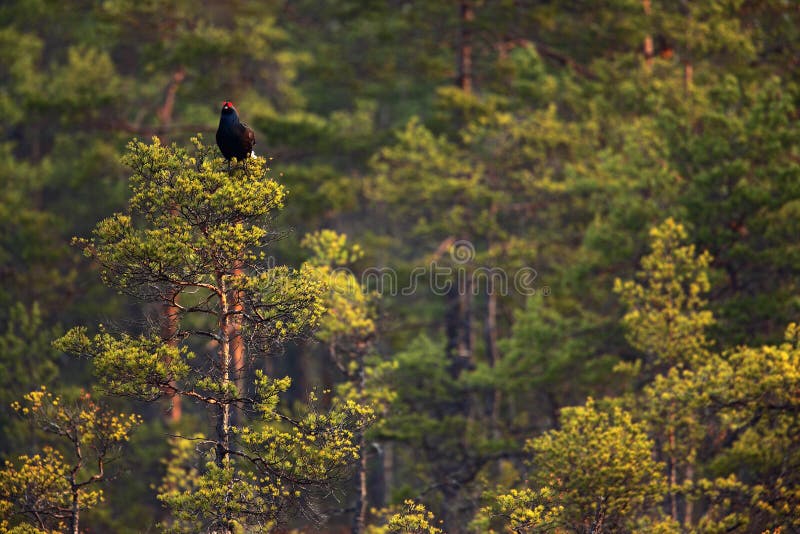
234,138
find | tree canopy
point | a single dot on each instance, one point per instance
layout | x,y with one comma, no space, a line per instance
500,266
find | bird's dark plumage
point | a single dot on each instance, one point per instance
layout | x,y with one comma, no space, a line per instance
234,138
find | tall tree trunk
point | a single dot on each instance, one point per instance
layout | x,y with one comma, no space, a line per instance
225,360
493,355
387,474
169,330
673,478
327,377
75,511
688,76
237,345
457,319
458,325
164,113
492,352
224,408
687,520
360,518
362,503
465,343
648,39
452,323
465,47
688,68
169,312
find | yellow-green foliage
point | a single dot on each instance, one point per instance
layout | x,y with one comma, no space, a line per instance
198,228
194,239
411,518
83,422
38,482
754,392
349,307
348,325
212,498
597,469
264,481
520,510
330,248
284,301
139,367
666,316
199,219
317,447
42,488
737,408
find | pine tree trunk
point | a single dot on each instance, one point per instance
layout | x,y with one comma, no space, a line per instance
458,325
224,408
465,47
360,519
451,324
688,68
465,307
224,412
687,520
673,478
169,317
169,330
688,76
237,345
387,474
648,39
75,512
492,355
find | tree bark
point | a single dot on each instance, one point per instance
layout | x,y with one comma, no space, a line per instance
673,478
458,325
224,408
360,519
465,47
169,312
465,308
75,511
493,356
165,111
362,503
687,520
169,330
237,345
648,39
688,76
688,68
387,472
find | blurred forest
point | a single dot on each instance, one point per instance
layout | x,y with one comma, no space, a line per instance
608,193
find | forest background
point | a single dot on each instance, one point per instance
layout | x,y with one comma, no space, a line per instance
608,193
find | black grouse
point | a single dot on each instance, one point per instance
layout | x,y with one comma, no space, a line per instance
234,138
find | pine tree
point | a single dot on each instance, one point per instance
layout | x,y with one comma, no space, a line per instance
197,232
48,491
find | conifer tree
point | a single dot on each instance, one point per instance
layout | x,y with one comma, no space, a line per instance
349,331
594,474
721,421
195,238
47,491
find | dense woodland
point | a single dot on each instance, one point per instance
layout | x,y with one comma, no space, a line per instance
498,266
